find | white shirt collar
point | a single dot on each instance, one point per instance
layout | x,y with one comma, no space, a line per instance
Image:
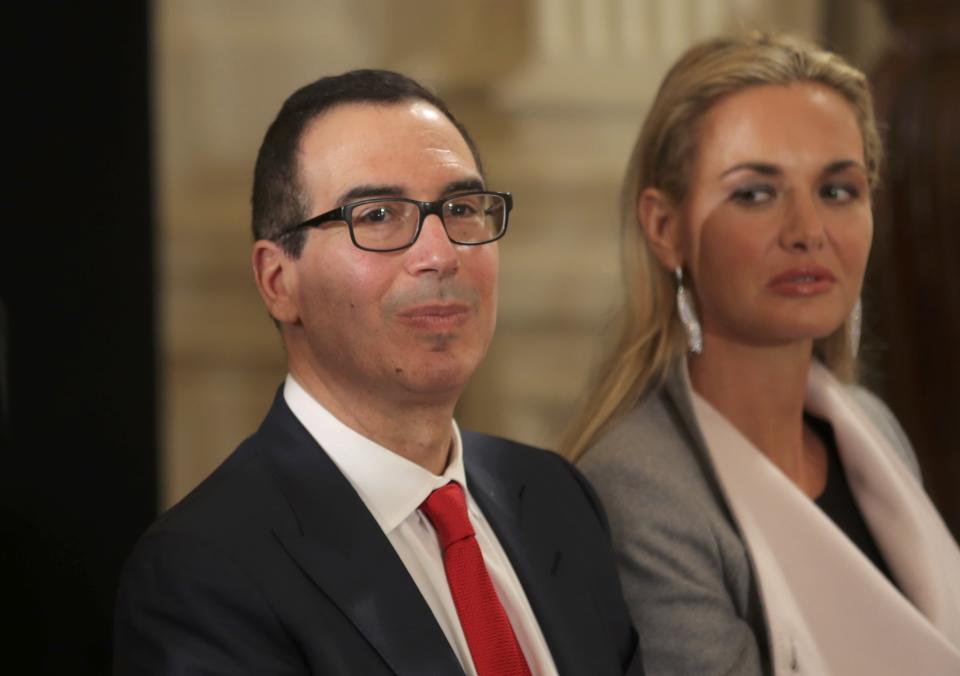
391,486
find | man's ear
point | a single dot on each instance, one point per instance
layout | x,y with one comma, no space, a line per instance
275,274
660,219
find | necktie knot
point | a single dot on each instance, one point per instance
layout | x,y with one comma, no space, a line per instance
446,507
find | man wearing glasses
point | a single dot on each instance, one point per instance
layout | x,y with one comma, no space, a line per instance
358,531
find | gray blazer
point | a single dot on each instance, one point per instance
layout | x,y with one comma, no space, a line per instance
686,573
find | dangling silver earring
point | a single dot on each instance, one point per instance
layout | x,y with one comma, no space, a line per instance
688,316
853,323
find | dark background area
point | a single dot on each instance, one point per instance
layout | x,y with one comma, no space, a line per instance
77,332
912,290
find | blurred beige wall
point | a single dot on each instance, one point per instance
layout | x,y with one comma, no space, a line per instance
554,92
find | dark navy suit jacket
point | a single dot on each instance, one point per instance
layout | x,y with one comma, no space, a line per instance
273,565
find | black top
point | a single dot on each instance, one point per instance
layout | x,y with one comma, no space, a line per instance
837,500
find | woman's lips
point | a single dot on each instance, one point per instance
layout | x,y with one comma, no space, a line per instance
803,281
435,316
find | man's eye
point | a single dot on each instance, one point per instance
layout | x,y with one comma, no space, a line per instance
373,215
461,209
754,194
835,192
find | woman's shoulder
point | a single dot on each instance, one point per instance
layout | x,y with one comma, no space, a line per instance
647,458
645,435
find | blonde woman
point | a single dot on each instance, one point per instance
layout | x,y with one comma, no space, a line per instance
768,513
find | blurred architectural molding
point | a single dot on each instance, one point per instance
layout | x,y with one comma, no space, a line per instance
610,54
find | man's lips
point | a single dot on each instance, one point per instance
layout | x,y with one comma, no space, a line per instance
803,281
435,315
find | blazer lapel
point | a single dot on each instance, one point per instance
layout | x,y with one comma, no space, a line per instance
342,549
678,389
523,517
826,604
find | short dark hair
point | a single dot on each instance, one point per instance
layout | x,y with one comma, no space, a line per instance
278,199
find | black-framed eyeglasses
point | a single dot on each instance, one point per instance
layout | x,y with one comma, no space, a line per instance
394,223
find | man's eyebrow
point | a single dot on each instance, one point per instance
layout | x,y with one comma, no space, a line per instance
369,190
758,167
465,185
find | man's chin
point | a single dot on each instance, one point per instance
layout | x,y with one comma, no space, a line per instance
441,378
441,342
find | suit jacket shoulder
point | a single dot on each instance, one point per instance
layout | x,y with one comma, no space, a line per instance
273,565
269,567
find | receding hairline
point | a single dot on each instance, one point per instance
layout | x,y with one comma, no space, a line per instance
341,106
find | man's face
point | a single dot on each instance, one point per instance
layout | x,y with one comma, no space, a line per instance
410,325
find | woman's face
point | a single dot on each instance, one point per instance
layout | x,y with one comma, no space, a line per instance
776,226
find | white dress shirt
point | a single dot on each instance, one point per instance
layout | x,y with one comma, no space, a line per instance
393,488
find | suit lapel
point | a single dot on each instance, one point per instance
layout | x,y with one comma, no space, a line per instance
523,516
342,549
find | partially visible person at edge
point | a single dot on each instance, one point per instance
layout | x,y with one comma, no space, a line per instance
358,531
767,512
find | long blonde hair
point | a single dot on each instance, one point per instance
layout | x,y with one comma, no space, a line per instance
650,336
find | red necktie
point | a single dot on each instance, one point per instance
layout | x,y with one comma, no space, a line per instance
492,642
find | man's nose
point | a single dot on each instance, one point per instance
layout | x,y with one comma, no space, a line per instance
433,252
803,225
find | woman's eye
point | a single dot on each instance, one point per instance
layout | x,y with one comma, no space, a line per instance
754,194
838,192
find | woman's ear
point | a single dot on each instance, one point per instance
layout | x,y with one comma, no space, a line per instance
275,274
660,219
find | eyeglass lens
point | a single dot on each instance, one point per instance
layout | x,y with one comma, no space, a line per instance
389,224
